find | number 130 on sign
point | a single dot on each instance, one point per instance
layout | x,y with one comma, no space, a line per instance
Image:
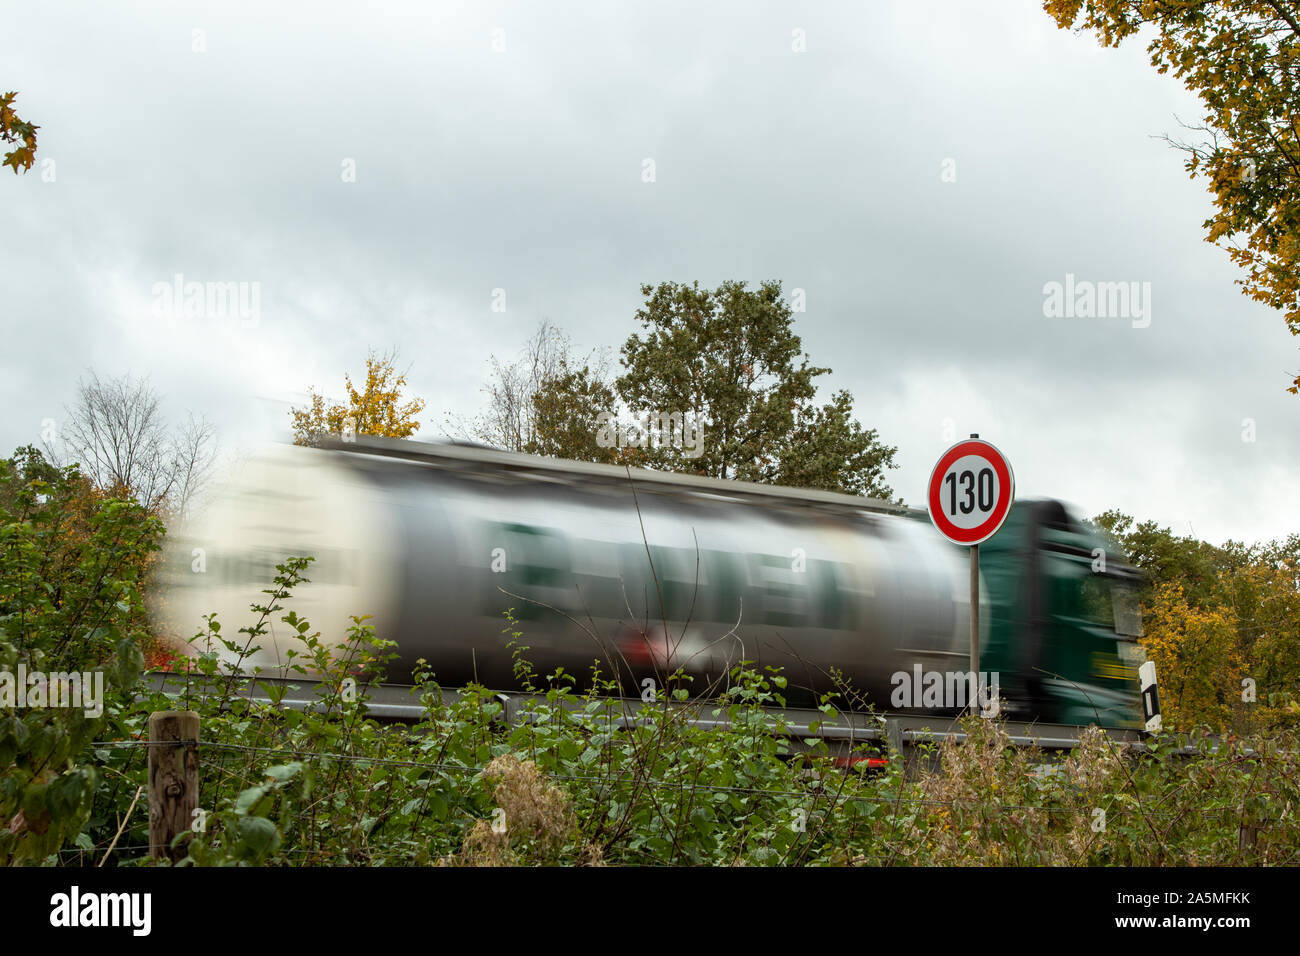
970,491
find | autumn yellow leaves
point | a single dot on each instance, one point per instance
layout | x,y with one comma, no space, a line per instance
375,409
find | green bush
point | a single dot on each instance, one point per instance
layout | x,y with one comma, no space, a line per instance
71,566
582,778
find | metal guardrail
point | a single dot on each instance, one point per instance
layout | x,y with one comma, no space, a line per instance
397,702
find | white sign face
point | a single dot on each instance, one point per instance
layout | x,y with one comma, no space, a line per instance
970,491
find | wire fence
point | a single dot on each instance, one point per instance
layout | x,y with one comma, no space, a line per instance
900,817
621,778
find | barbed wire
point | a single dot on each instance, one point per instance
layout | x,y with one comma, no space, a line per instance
617,779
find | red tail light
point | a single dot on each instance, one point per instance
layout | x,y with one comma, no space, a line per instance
873,763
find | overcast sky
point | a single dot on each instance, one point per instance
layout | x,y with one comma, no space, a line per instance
504,147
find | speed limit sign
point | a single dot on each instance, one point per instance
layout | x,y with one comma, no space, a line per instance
970,493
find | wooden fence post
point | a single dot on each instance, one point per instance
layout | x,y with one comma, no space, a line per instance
1247,836
173,779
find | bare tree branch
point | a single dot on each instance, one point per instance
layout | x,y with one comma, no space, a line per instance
510,421
116,430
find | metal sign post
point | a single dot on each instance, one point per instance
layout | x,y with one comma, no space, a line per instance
970,494
975,613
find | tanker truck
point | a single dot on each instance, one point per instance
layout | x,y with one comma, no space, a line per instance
644,574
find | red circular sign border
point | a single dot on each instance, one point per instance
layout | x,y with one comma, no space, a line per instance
1007,481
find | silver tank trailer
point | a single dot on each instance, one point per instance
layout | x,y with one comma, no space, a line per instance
642,572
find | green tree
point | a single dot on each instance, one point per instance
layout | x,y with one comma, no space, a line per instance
1242,58
828,449
1166,558
729,358
566,410
72,567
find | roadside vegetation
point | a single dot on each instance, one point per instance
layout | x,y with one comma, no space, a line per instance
575,784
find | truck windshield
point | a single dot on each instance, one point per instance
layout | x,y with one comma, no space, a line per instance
1112,603
1128,613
